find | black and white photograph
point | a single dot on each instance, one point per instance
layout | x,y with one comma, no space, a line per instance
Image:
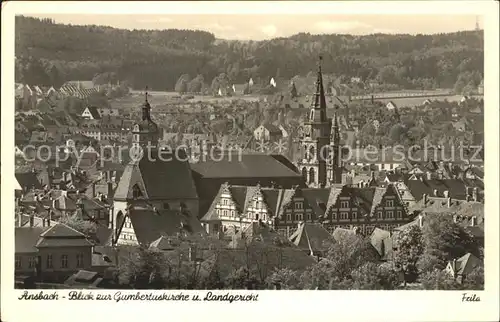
249,151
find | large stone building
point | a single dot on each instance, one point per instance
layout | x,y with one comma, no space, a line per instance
320,162
156,192
340,206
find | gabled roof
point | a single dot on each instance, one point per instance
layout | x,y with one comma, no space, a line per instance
382,242
94,112
310,237
62,235
335,191
28,180
157,179
272,128
150,224
256,232
466,264
62,231
342,233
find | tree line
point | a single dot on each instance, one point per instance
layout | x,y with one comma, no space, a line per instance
158,58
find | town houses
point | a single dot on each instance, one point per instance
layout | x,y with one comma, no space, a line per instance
156,195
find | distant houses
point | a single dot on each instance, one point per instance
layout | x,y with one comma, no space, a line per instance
270,132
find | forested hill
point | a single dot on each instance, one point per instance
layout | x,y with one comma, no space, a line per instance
49,54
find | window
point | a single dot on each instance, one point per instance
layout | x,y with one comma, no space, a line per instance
49,261
136,192
399,215
79,260
389,203
232,213
257,204
309,217
32,262
218,212
264,217
299,205
334,216
390,215
344,216
379,215
225,213
224,202
256,216
64,261
354,215
344,204
288,217
249,215
18,262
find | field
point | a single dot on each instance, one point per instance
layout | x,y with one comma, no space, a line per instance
163,99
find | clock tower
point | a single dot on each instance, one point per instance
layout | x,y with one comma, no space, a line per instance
315,143
144,132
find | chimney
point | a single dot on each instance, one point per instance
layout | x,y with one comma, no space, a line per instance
473,221
424,197
440,175
446,194
474,194
53,204
435,192
32,220
429,175
449,202
420,221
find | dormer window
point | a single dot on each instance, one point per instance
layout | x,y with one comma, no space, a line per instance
136,192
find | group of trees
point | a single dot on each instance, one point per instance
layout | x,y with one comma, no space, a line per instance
157,58
423,253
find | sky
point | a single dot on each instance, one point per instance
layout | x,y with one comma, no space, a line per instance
260,27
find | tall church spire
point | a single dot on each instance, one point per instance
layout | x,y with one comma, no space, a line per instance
319,102
336,162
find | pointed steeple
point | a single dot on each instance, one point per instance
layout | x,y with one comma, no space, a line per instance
335,131
146,108
319,101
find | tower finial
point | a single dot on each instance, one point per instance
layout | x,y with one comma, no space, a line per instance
146,93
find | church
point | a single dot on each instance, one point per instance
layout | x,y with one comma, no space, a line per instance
320,149
156,195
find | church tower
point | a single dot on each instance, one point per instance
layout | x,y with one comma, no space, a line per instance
315,142
336,156
145,131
